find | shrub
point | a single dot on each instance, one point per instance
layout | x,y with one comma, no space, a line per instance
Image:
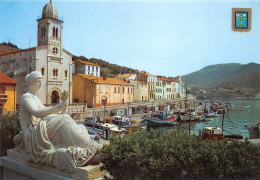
171,155
9,127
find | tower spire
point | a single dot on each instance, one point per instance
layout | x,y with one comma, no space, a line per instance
51,1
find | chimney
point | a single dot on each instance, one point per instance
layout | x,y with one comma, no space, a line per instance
104,78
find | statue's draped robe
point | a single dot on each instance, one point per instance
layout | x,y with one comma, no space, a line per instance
55,140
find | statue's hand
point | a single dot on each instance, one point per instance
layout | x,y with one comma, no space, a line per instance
62,105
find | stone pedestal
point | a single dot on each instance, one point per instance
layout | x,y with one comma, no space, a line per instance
14,166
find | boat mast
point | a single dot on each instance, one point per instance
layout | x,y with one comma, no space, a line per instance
189,120
223,116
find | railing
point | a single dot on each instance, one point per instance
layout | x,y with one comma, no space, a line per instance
4,97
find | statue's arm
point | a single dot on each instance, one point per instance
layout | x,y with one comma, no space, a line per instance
32,107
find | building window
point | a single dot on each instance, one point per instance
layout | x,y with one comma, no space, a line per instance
55,72
55,50
128,90
66,74
118,90
53,31
115,90
41,31
56,33
42,71
123,90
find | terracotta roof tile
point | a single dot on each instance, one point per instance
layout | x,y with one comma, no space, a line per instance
4,79
19,50
145,73
125,76
103,80
88,63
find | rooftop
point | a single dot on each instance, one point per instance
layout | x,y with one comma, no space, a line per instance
18,50
144,73
4,79
87,62
105,80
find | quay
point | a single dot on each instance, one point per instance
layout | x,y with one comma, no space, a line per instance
80,111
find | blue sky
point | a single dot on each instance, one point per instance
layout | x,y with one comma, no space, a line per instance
169,38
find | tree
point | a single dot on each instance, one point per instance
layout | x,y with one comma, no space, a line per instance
176,155
9,127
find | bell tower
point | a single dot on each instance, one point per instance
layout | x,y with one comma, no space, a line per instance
50,30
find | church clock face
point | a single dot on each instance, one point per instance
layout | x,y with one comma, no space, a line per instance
55,50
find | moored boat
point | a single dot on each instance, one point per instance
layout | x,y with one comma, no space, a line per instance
156,122
212,133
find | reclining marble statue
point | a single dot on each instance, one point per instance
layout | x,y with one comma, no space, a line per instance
52,139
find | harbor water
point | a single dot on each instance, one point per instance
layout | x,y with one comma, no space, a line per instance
234,121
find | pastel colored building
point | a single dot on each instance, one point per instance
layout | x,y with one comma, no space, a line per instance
167,88
7,94
140,91
48,57
159,89
107,91
85,67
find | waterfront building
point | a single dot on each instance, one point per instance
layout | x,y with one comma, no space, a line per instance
151,87
48,57
143,85
7,94
85,67
180,87
159,89
107,91
140,91
127,76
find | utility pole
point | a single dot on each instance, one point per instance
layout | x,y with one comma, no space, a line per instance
104,110
128,109
94,83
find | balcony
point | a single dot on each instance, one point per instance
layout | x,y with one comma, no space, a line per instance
3,97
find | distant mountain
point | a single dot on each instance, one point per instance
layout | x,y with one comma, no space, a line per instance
231,75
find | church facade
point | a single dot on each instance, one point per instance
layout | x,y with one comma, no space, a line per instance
48,57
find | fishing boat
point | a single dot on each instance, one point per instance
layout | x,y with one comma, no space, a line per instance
156,122
212,114
254,132
121,120
109,128
212,133
238,108
242,107
89,122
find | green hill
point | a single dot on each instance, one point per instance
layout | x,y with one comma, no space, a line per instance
107,69
245,77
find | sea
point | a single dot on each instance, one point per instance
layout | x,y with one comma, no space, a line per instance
235,122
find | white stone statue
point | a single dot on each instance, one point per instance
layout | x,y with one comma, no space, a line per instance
52,139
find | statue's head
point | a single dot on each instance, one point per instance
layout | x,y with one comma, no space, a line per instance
34,80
